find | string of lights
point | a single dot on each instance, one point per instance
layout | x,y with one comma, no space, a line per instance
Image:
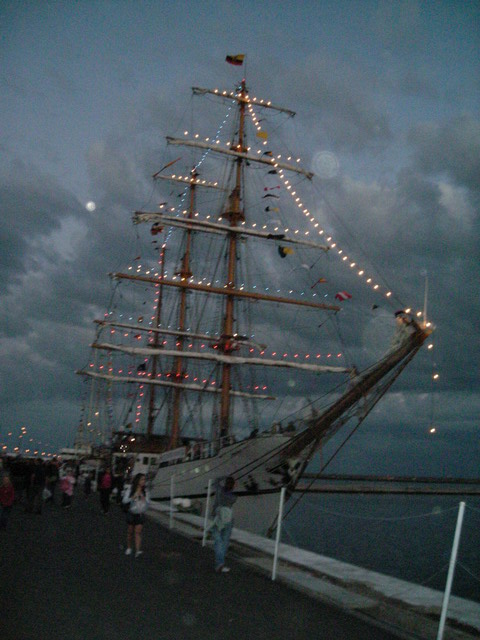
352,264
21,444
263,352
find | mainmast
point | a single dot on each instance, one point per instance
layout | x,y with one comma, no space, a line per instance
234,215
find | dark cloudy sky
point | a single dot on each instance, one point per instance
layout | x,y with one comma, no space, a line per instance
388,90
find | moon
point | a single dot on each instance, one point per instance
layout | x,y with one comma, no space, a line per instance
90,206
325,164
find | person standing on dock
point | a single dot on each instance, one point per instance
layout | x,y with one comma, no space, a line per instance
52,479
105,486
223,520
118,484
66,484
36,486
87,484
138,501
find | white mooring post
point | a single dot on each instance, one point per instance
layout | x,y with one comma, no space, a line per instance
172,495
451,570
279,530
207,511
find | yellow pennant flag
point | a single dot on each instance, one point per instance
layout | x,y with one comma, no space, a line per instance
262,134
236,60
285,251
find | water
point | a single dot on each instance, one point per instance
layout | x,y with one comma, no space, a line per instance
405,536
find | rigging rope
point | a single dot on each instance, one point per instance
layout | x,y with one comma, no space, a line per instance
470,573
376,396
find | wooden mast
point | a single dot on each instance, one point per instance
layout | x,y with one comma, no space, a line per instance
185,274
234,215
156,339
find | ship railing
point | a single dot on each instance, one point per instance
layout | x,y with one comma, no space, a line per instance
204,450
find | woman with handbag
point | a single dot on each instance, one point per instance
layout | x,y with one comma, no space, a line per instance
138,501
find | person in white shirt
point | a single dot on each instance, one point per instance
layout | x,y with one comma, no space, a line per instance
138,501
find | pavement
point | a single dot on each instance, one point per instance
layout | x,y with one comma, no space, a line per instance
407,609
65,576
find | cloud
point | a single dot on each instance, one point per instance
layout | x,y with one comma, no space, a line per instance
340,107
112,173
398,24
33,207
416,82
451,148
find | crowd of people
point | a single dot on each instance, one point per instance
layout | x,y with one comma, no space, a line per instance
34,483
37,482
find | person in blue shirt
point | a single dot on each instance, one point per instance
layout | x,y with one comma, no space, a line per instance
223,520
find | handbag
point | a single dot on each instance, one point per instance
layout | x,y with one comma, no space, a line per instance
138,506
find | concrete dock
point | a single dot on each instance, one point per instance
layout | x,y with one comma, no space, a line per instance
65,576
411,610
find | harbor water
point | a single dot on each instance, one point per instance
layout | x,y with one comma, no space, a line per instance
406,536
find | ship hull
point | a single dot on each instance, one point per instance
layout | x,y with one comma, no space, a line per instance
259,465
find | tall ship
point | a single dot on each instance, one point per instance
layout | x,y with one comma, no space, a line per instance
230,345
